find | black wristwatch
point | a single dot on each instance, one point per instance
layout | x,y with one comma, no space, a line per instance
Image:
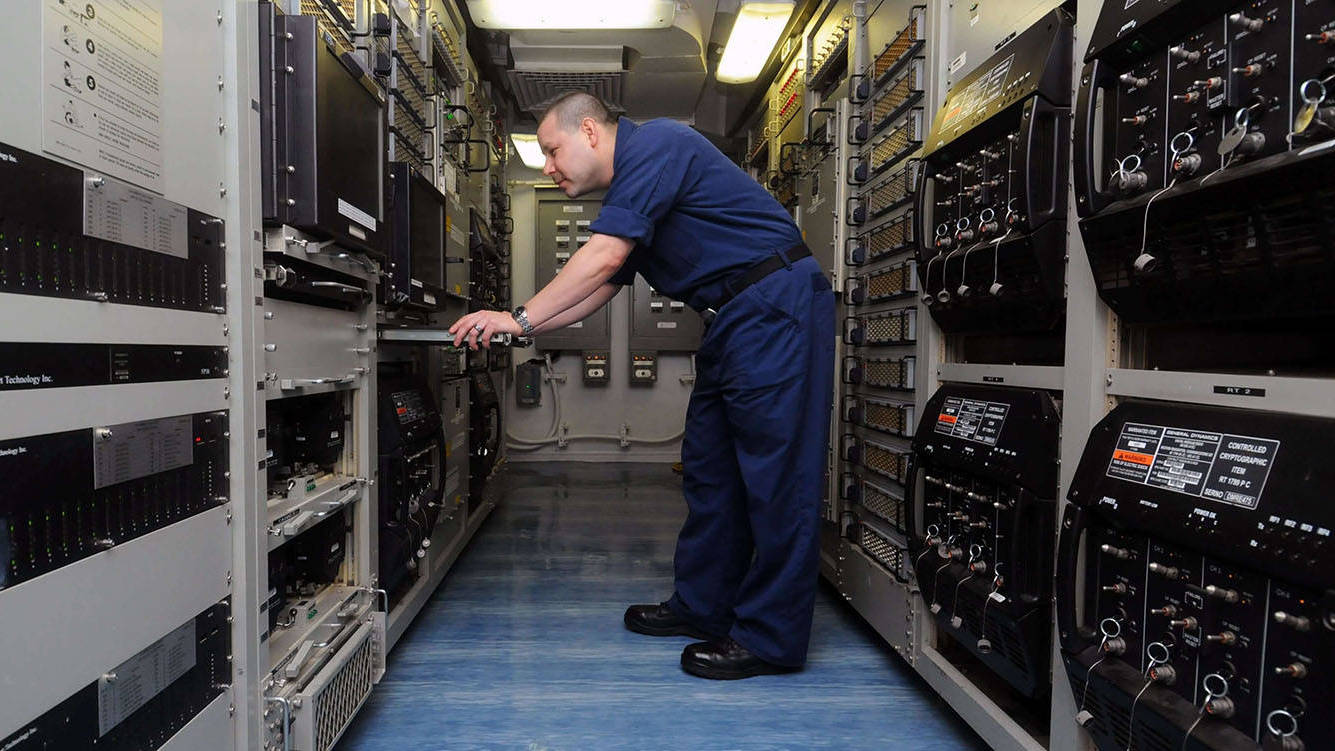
521,317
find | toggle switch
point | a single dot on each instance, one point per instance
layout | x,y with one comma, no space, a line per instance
1246,22
1212,82
1167,611
1249,71
1191,97
1227,595
1182,53
1168,572
1325,37
1223,638
1136,120
1134,81
1116,589
1186,624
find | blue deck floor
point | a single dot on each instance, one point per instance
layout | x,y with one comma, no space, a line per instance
523,648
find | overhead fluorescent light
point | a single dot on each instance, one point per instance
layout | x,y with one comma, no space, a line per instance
753,36
530,153
592,15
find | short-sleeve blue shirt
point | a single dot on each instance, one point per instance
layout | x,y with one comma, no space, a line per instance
694,216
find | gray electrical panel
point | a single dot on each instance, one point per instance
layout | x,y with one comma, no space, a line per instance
658,322
563,228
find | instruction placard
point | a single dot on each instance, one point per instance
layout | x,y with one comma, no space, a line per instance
102,86
972,419
1220,467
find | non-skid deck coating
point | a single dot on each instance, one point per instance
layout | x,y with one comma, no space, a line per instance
522,647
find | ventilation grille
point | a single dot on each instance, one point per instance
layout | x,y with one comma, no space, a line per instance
885,552
339,700
892,101
885,461
908,40
888,417
894,191
1111,724
897,144
892,237
535,90
884,504
893,283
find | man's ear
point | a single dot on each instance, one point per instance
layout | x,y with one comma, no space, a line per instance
589,127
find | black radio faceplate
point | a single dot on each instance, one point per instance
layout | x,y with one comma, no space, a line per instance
991,253
1207,610
981,524
47,209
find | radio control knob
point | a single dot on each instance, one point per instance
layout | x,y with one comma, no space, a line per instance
1168,572
1220,706
1165,674
1297,622
1292,670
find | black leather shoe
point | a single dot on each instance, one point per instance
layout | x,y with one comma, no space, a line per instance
660,620
726,660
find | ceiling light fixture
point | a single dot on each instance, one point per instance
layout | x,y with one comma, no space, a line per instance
757,29
526,144
591,15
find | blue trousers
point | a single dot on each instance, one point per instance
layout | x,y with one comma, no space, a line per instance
754,458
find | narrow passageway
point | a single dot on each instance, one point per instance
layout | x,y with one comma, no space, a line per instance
523,646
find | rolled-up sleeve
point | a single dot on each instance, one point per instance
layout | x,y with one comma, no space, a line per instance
648,176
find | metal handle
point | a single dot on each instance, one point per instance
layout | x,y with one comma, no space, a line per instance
287,719
1073,522
1089,200
350,289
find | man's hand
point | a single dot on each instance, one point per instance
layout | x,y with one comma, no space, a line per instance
478,328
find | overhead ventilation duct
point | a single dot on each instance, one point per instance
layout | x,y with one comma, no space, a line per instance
541,73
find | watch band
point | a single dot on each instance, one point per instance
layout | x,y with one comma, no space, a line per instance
521,317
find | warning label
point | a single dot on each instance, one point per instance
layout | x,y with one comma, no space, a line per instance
972,420
1220,467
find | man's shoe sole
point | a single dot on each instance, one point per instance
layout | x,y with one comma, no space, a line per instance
718,674
684,630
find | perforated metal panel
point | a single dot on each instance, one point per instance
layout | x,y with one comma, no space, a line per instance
908,39
336,693
885,460
884,551
883,503
893,282
894,191
892,237
889,417
897,143
900,327
908,87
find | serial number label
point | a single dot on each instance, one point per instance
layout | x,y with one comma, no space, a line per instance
972,420
1230,469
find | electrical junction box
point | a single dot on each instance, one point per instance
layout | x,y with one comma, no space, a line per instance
643,368
596,370
528,383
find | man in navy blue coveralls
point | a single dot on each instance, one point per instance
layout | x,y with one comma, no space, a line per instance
700,230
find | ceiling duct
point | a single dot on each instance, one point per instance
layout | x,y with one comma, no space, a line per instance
543,72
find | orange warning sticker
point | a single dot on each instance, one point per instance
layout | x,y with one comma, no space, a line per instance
947,418
1134,458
